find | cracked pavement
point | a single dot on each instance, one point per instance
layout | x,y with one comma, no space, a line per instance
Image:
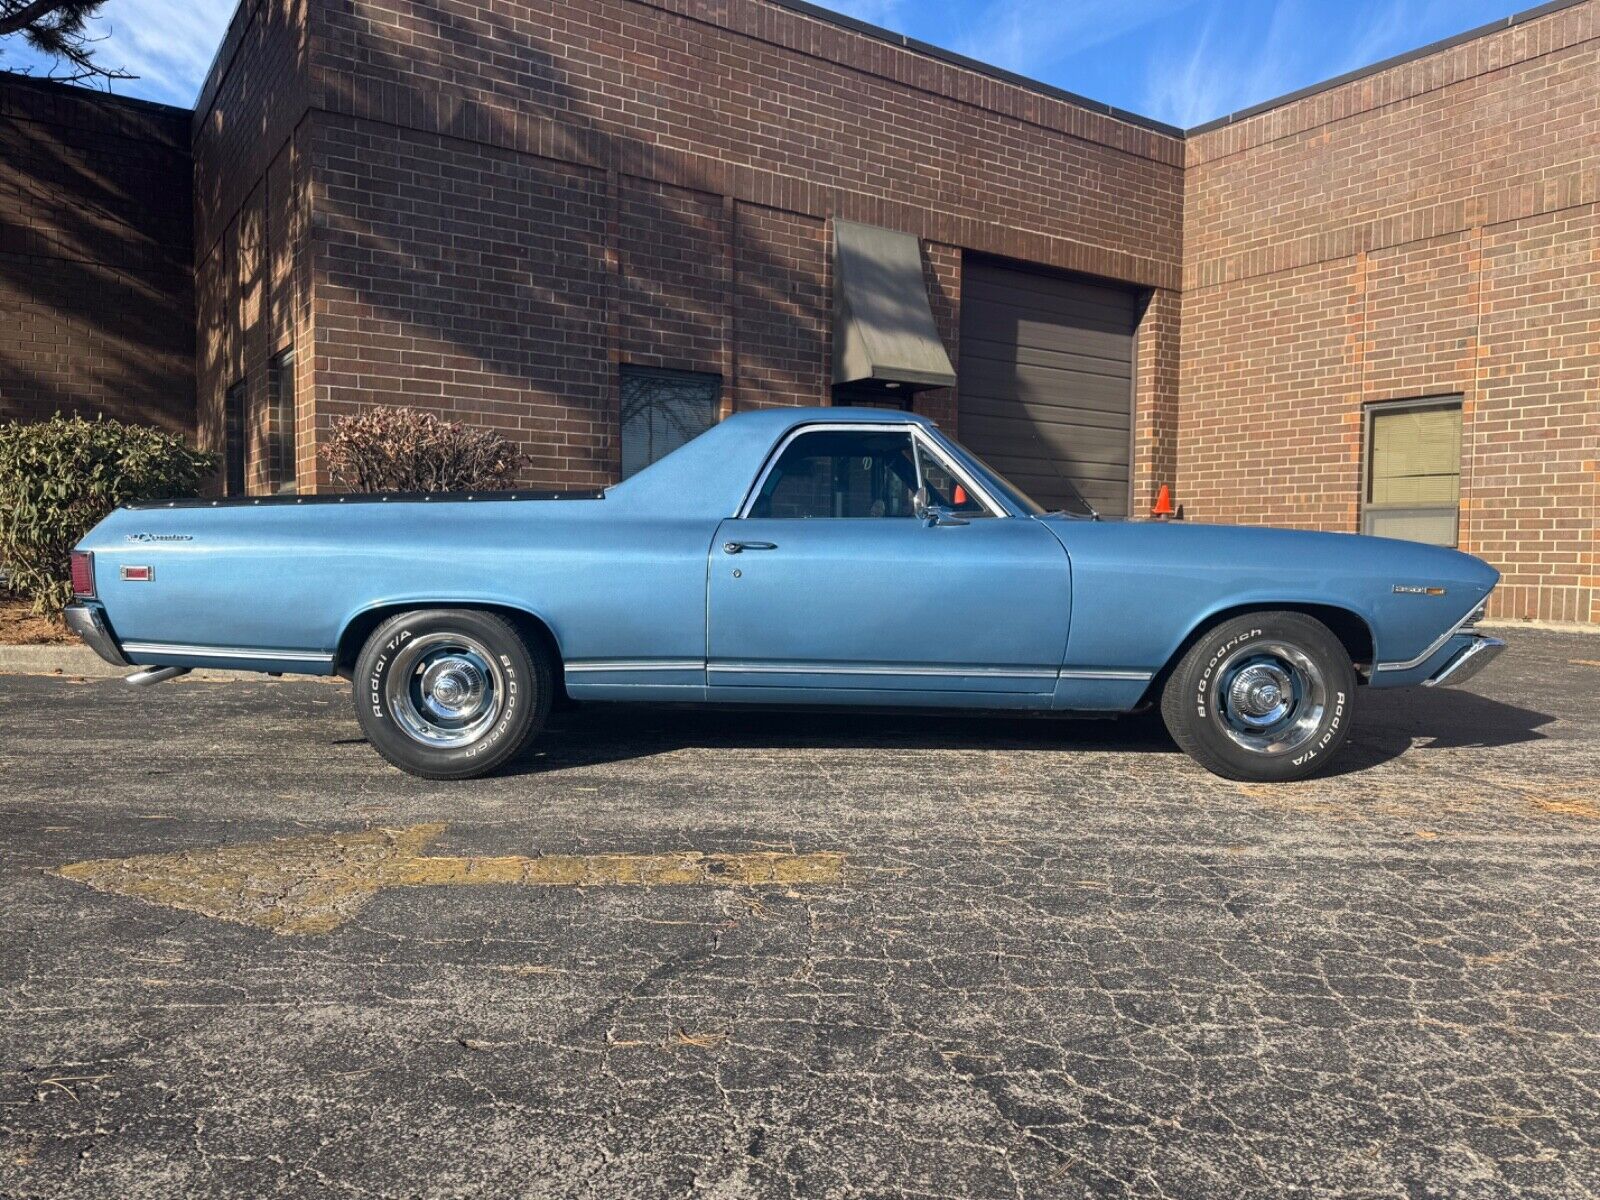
1060,961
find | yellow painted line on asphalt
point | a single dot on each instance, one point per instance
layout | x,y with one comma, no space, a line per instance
311,885
1567,806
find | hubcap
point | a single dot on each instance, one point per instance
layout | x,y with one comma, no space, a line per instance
445,690
1272,697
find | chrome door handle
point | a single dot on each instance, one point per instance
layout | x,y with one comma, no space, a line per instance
737,547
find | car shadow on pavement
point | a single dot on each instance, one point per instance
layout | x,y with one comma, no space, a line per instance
1402,721
1388,725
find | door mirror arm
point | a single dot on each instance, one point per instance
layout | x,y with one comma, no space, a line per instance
933,515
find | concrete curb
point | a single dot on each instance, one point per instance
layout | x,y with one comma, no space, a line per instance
1545,626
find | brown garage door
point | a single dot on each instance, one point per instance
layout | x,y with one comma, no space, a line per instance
1047,380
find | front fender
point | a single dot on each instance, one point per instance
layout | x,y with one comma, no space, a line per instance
1142,590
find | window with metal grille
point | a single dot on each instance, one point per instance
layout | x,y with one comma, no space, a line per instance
234,403
1413,477
662,410
281,465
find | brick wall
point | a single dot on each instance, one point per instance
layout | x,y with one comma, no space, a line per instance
1430,229
96,295
466,279
682,160
252,198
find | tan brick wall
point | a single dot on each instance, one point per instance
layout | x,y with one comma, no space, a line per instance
1426,230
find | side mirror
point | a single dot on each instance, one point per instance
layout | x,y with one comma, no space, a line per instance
933,514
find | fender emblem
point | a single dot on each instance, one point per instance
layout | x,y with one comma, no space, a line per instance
1402,589
159,537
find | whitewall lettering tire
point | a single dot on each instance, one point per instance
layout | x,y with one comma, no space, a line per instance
1266,697
450,693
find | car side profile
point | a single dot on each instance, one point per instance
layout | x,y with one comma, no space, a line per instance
786,557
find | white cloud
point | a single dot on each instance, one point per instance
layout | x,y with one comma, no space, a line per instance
1222,72
1029,36
168,44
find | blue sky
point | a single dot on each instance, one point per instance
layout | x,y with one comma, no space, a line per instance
1180,61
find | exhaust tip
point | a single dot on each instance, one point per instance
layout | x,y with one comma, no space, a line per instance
151,676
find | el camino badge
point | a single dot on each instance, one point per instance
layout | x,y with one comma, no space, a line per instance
160,537
1402,589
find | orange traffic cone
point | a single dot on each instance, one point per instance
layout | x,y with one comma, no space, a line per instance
1163,508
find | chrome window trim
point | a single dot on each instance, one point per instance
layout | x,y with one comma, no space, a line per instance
920,436
1413,664
186,651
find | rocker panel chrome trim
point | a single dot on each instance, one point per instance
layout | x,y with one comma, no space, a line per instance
230,652
748,668
655,664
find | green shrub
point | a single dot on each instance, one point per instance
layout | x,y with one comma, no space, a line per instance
59,477
391,449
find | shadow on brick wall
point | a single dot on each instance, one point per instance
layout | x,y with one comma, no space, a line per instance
95,286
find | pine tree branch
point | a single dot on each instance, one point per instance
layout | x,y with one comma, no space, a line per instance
28,14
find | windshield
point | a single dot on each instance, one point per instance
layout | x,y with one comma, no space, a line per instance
1076,505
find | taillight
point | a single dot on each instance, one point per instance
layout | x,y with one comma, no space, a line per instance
82,573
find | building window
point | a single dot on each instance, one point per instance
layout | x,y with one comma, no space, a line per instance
281,464
1413,477
233,421
662,410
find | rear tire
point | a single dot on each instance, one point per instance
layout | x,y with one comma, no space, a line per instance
1265,698
451,693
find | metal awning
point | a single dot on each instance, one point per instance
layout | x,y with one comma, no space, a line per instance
883,328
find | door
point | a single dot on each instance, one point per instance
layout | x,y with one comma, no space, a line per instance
1046,391
833,589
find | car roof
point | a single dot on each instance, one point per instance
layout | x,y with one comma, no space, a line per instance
778,420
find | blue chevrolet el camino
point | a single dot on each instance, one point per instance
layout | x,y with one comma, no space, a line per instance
787,557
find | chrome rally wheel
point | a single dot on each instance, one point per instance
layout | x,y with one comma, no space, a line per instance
1270,697
1265,697
445,690
451,693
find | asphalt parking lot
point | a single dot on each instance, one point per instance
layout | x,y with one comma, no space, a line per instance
972,957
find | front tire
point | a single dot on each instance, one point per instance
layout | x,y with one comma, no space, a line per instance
450,693
1264,698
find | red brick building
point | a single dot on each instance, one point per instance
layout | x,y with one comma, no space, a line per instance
593,224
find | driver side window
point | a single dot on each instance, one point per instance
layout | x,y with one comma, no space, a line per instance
841,474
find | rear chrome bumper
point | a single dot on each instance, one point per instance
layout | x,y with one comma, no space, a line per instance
1467,662
88,621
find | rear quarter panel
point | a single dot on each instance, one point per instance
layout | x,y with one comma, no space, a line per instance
292,578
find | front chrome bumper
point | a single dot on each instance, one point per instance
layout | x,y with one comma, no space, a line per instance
1467,662
88,621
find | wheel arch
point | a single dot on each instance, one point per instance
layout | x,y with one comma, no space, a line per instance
358,628
1352,629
